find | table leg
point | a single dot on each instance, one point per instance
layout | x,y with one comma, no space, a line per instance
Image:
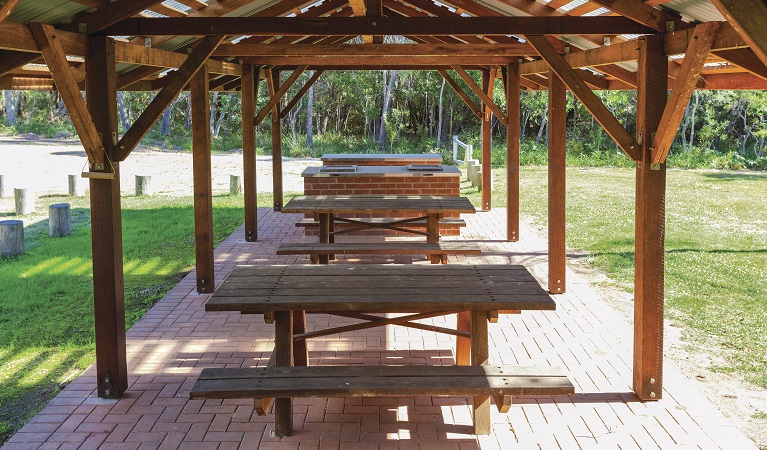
324,234
462,344
432,227
331,234
283,350
301,347
480,357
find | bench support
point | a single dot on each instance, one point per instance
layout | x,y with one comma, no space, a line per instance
480,356
283,349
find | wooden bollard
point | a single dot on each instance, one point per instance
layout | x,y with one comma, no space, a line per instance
25,201
3,187
76,186
235,184
59,220
144,185
11,238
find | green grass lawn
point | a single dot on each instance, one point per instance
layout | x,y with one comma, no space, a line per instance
716,249
46,307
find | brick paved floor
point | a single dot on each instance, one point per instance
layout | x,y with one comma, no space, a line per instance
170,345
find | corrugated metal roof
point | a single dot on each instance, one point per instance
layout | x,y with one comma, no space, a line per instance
695,10
46,11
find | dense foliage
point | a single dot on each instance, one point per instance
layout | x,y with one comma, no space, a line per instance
356,111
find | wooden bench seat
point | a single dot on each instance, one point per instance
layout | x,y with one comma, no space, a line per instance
315,249
500,382
447,222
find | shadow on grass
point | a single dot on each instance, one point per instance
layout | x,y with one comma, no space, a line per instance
733,176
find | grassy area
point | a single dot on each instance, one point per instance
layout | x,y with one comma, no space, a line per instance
46,310
716,250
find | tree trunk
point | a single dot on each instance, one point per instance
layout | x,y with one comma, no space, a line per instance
165,124
387,94
122,112
439,115
188,124
309,113
544,123
11,107
213,104
692,118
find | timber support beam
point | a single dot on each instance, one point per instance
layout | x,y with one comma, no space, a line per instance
249,84
650,226
106,228
465,97
513,133
557,157
301,92
203,183
482,94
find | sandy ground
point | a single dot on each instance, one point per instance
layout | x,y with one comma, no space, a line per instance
43,165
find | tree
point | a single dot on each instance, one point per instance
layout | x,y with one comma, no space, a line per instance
387,96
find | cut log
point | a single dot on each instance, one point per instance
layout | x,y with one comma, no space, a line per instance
11,238
235,184
25,201
59,220
144,185
76,186
3,187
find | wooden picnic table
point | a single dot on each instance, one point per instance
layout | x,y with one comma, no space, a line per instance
430,207
284,293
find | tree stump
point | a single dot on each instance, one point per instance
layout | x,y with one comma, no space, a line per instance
3,187
235,184
76,186
25,201
11,238
473,171
144,185
59,220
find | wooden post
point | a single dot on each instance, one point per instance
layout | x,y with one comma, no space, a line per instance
25,201
463,344
76,185
144,185
277,148
283,350
11,238
557,149
480,357
235,184
59,222
203,183
513,131
650,224
249,82
487,145
106,225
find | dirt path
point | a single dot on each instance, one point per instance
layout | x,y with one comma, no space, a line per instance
43,165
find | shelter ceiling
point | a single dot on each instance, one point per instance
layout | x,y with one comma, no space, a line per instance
598,36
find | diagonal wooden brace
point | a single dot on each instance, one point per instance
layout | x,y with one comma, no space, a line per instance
55,58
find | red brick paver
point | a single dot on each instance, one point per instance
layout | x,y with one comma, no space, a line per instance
169,346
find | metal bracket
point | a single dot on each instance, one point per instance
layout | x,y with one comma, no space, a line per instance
606,41
654,166
114,138
670,26
82,27
639,138
147,42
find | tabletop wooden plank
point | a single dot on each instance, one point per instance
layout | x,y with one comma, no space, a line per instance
379,288
390,204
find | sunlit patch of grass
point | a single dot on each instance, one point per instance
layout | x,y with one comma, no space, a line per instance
46,306
716,248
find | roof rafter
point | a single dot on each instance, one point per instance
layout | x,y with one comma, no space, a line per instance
749,18
109,15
